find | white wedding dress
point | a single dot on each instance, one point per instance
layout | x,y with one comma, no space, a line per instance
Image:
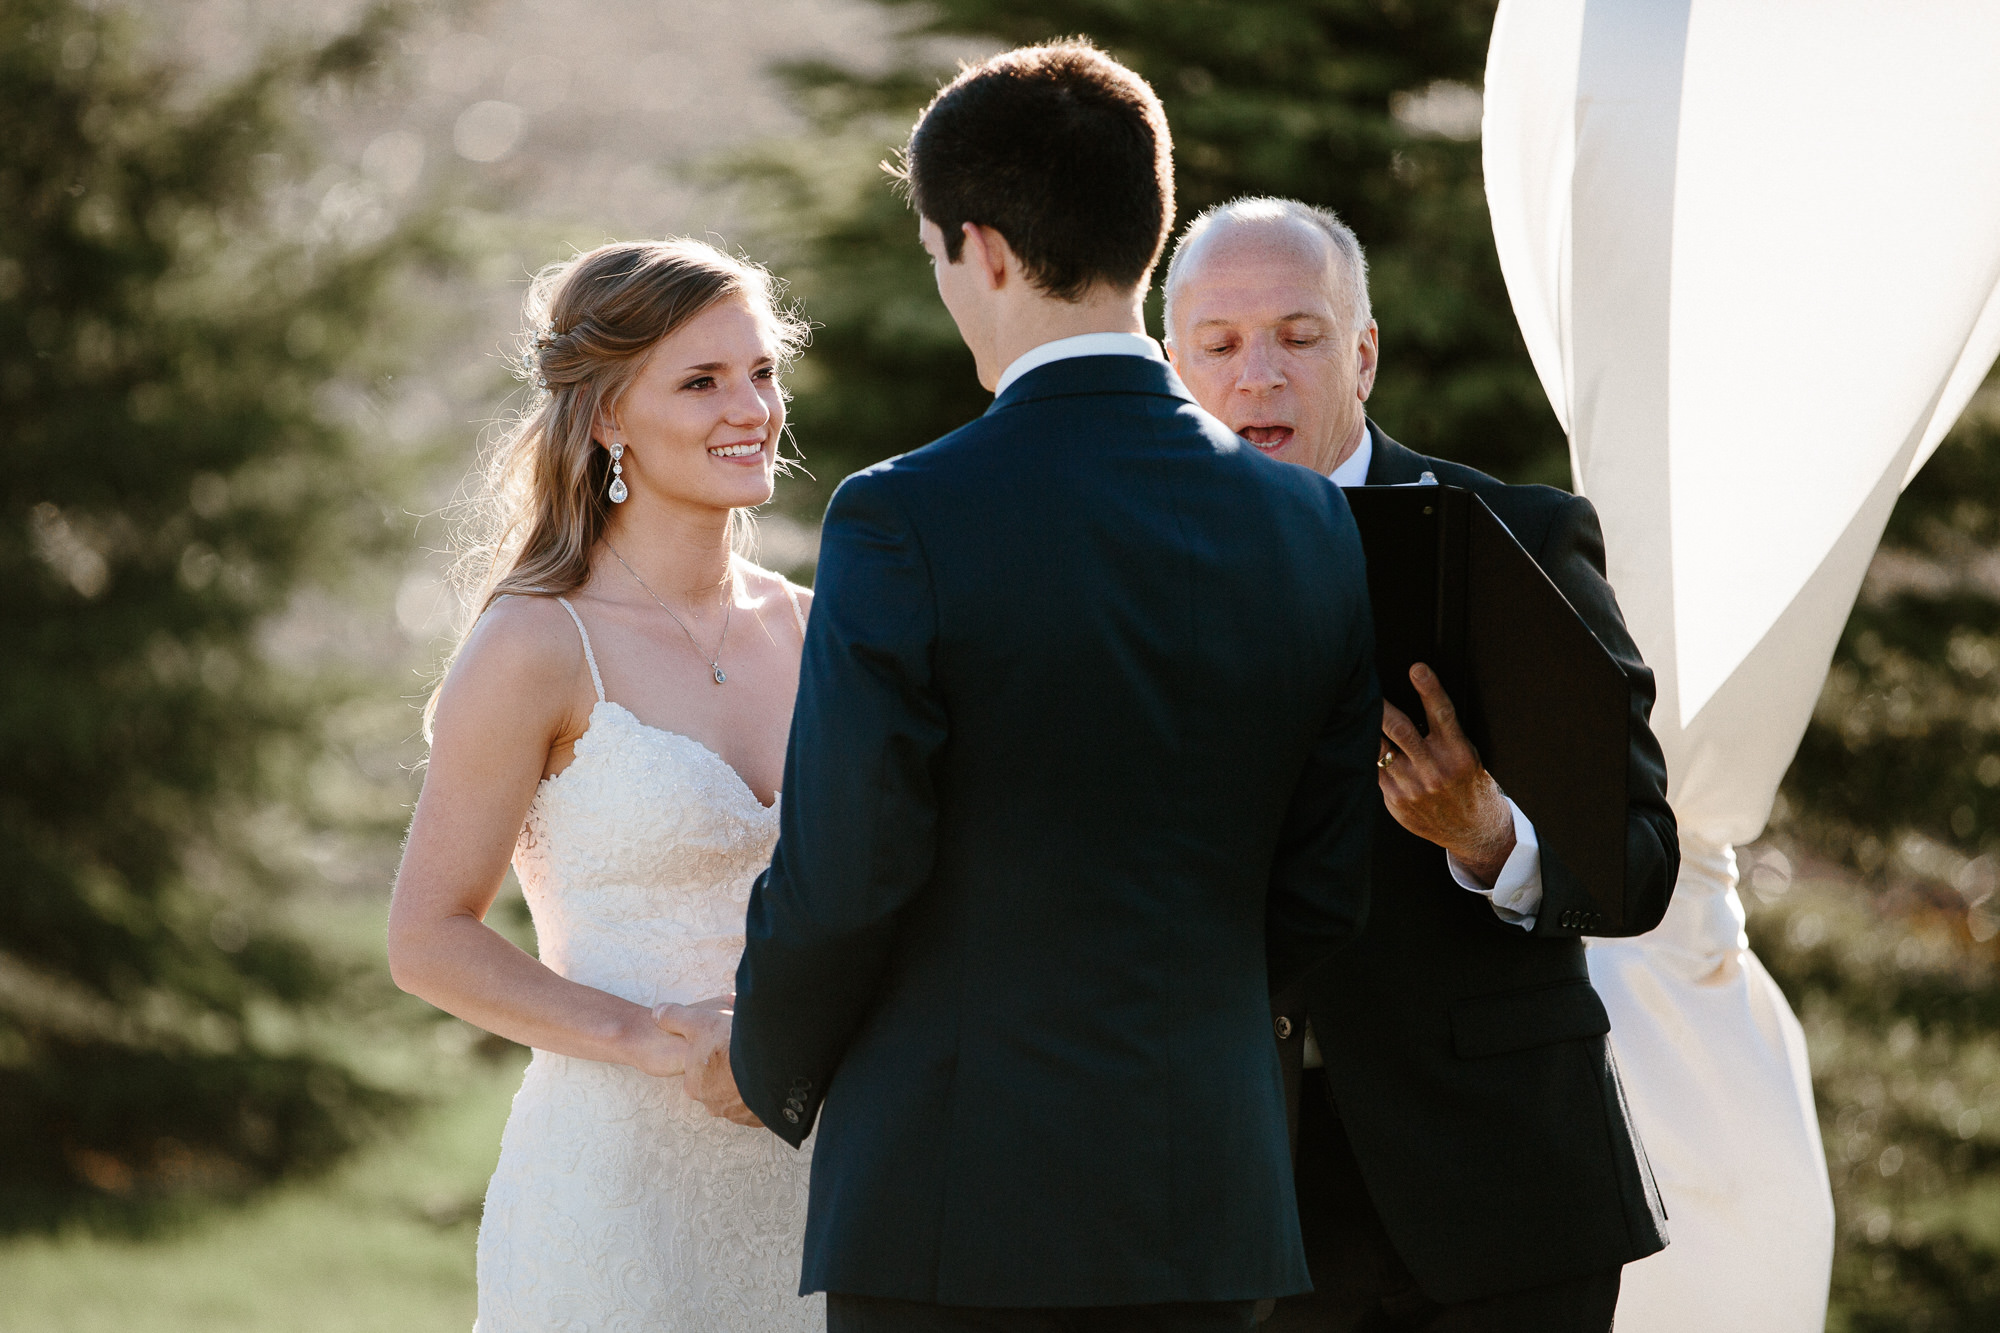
619,1204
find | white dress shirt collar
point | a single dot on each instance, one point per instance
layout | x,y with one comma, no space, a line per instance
1353,470
1083,344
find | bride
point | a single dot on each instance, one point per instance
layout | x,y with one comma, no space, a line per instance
614,723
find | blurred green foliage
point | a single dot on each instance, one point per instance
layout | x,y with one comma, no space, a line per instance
1898,778
1900,773
1902,1018
174,362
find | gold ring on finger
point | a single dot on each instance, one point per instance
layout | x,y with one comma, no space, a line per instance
1386,760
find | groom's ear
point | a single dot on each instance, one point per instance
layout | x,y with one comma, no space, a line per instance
993,260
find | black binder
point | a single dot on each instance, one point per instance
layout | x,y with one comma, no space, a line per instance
1546,705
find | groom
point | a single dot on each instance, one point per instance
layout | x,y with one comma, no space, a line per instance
1083,766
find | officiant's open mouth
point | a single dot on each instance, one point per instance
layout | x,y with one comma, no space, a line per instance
1268,439
747,449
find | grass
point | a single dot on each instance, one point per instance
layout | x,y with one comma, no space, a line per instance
384,1242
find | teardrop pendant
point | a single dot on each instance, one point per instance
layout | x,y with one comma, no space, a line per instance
617,491
720,678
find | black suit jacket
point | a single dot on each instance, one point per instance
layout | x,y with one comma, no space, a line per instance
1082,761
1467,1057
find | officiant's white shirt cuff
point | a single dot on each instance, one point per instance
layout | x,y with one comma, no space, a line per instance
1516,894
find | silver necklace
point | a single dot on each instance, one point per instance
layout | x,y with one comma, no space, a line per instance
729,605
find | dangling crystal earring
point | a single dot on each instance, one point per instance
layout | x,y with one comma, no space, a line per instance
618,491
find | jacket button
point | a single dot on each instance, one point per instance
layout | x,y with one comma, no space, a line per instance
1283,1027
791,1114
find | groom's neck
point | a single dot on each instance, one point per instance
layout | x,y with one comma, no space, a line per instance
1025,322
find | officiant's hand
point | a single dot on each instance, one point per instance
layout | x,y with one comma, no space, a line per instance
709,1079
1436,787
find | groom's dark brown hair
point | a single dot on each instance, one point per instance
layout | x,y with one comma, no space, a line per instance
1060,149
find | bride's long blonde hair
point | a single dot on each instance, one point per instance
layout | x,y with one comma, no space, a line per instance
589,323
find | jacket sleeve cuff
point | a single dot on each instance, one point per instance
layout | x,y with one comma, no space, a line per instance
1516,893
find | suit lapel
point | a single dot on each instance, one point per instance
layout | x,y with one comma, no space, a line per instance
1393,465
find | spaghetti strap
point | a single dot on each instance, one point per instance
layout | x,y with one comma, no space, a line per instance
588,655
797,614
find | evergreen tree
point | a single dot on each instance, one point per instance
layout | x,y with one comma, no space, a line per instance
1899,780
170,357
1900,773
1902,1017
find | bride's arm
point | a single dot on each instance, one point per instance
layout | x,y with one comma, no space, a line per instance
511,696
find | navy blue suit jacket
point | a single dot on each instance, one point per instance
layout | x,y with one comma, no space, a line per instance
1082,768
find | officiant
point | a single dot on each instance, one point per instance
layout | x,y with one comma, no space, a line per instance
1464,1158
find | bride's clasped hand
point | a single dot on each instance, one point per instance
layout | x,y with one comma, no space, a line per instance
704,1028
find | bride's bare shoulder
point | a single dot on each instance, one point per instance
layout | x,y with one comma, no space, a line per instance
524,650
764,583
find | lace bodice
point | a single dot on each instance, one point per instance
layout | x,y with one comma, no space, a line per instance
637,861
619,1203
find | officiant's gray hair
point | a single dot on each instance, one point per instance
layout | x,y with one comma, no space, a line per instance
1345,259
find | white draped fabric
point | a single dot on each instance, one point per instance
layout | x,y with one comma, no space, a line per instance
1754,247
